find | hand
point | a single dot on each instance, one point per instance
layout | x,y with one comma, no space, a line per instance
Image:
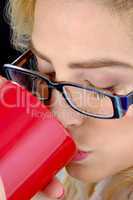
2,191
54,190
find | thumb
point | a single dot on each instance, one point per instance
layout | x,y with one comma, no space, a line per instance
2,191
55,189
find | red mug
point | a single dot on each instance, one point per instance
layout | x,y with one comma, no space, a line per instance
34,145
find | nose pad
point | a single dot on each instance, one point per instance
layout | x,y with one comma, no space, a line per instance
64,113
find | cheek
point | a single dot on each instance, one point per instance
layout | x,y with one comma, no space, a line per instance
102,164
113,151
117,142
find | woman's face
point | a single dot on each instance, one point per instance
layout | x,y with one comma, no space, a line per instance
85,32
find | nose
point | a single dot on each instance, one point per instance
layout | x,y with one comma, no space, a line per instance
64,113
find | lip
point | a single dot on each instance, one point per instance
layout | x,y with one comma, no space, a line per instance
80,155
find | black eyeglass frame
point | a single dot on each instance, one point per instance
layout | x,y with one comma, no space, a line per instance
120,103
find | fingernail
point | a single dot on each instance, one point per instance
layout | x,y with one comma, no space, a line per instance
60,193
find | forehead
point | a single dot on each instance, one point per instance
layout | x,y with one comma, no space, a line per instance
73,27
70,17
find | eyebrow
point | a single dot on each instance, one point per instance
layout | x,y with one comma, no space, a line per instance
92,63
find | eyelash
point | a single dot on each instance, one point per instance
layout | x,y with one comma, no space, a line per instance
109,89
101,96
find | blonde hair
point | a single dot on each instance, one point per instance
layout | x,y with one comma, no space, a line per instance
20,15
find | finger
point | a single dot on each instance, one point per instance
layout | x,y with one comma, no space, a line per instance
54,189
2,191
2,80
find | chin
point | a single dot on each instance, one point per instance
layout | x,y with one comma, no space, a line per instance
79,173
84,174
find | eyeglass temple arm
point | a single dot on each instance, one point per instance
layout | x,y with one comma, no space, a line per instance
126,101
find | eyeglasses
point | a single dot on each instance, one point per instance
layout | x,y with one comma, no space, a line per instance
88,101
